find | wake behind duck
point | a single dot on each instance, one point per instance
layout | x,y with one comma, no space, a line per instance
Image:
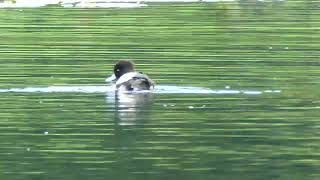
159,89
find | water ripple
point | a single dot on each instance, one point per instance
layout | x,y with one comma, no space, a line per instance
161,89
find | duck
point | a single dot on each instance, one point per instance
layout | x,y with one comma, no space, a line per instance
128,79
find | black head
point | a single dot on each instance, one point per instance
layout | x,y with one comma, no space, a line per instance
123,67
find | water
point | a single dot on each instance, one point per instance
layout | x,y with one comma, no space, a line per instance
160,89
236,97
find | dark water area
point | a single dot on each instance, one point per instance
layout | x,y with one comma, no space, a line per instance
248,46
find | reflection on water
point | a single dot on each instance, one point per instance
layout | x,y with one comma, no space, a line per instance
130,108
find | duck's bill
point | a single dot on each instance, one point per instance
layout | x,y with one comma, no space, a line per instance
111,78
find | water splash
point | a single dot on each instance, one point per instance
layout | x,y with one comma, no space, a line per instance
160,89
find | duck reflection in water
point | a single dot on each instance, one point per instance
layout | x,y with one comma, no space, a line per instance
131,108
131,113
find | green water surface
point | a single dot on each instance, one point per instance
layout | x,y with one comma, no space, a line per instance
246,45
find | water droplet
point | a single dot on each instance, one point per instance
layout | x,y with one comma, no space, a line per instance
164,105
28,149
190,107
227,87
46,133
270,47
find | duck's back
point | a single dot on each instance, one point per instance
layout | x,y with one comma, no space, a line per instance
134,81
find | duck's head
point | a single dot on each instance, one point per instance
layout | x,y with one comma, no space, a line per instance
122,67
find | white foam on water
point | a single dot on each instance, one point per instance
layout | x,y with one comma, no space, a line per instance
160,89
71,3
62,89
107,5
28,3
93,3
